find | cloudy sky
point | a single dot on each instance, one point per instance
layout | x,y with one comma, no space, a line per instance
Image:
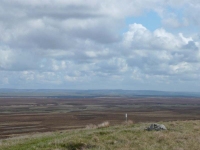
100,44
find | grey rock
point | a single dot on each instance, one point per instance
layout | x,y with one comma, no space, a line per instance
156,127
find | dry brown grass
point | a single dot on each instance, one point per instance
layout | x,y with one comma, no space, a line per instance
91,126
129,122
103,124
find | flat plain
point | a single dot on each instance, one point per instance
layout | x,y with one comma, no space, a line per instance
24,115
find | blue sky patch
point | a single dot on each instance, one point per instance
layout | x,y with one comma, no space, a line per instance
150,20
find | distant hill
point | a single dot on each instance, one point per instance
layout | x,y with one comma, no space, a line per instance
63,93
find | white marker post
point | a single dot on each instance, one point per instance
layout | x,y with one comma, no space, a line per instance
126,117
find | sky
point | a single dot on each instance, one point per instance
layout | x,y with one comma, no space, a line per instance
100,44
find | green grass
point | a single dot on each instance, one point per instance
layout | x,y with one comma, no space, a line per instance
181,135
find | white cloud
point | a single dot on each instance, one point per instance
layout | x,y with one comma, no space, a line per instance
59,43
160,53
138,37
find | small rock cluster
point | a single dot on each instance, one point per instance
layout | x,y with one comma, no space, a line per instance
156,127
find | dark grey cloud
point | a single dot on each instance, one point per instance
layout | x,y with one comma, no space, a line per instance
191,46
66,12
101,33
47,25
58,13
43,39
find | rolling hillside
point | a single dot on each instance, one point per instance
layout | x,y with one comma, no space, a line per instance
181,135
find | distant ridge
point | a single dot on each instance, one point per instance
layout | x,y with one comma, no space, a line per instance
61,93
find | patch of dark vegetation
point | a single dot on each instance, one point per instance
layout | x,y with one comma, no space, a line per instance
77,146
104,133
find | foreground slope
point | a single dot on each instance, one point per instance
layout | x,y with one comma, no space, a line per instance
181,135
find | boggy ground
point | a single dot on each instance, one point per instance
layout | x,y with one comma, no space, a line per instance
30,115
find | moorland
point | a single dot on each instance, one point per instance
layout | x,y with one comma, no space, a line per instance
22,115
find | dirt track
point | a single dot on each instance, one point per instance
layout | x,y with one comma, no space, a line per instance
29,115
